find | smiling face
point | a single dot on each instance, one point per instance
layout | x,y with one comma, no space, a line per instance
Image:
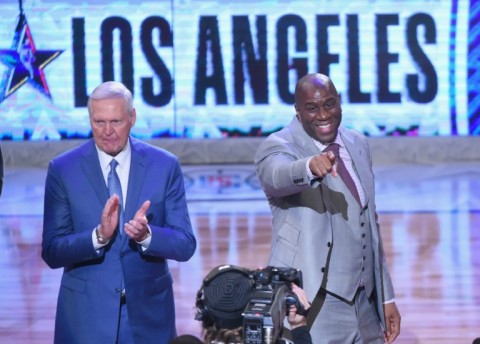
111,123
318,108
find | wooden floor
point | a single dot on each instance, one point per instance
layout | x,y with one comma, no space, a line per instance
433,255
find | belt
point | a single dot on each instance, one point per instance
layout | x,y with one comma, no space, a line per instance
123,299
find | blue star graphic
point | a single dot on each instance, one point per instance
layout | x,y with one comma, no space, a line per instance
25,63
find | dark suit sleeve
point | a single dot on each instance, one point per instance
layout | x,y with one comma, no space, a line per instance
173,238
61,244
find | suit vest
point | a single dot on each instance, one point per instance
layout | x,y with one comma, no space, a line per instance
351,263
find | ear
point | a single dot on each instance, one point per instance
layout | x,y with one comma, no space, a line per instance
133,119
297,114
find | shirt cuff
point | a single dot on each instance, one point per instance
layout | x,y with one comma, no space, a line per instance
309,173
96,245
145,243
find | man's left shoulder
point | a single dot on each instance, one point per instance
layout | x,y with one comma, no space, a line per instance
150,149
352,134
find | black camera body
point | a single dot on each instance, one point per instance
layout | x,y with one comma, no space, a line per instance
272,297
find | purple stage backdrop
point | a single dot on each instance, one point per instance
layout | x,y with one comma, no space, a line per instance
211,69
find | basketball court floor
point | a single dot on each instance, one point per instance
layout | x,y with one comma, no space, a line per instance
430,222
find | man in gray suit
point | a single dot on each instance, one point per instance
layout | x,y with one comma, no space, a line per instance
321,226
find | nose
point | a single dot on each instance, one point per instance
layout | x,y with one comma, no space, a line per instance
108,129
322,114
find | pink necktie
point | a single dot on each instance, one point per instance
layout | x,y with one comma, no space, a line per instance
342,170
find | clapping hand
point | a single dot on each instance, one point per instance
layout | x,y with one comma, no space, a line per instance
137,228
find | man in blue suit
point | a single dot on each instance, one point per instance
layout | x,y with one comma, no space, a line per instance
114,245
319,182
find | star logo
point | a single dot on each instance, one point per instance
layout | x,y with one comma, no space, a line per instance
25,63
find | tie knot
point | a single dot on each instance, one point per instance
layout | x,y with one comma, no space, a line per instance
333,147
113,164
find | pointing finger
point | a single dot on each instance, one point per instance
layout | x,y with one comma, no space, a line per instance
143,210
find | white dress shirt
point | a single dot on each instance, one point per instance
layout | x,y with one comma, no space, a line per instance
123,169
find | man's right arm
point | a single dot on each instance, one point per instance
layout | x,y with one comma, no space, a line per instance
61,244
280,171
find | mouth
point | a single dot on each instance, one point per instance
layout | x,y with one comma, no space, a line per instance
324,128
110,140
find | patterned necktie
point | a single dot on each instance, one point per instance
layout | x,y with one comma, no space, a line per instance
342,170
114,187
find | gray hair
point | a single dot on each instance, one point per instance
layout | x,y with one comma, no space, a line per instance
110,90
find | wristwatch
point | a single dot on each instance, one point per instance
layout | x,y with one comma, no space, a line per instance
100,240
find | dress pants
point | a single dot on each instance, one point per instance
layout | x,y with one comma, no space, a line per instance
124,335
341,322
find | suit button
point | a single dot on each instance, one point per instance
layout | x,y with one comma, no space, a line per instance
364,246
363,235
363,269
323,269
362,224
329,244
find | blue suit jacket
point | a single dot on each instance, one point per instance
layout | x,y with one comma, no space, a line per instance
89,297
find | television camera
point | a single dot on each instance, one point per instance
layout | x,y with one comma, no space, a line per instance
270,303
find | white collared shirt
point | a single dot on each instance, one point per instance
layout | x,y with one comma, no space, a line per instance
124,159
123,168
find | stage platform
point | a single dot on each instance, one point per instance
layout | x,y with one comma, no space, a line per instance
428,197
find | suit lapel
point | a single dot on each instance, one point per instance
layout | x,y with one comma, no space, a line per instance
136,178
358,152
92,170
301,138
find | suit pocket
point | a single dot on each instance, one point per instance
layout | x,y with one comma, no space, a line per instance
289,232
74,283
285,248
163,282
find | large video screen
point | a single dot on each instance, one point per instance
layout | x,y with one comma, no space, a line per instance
228,68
